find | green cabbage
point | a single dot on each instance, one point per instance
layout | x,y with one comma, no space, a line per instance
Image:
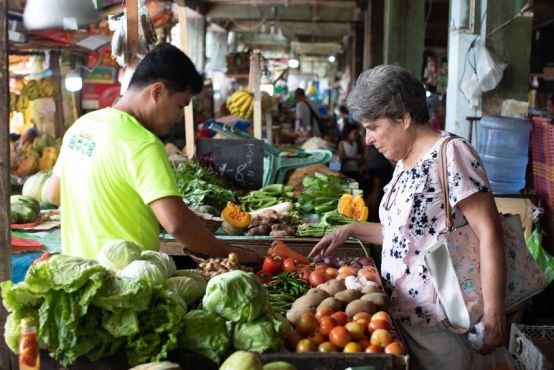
164,262
143,270
187,288
119,293
236,295
115,255
205,333
193,274
266,333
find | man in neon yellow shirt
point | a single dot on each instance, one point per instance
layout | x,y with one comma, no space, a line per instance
113,178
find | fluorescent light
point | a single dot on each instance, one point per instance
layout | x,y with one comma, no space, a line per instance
428,93
332,59
73,81
293,63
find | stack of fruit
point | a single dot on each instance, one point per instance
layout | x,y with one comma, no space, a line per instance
329,331
41,155
34,89
241,103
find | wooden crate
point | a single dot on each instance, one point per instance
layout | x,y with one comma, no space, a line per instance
339,361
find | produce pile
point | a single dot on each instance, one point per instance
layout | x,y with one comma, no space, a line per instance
137,301
40,155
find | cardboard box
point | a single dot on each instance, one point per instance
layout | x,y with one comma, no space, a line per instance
521,206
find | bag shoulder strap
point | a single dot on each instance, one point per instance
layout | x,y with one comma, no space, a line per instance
313,114
443,179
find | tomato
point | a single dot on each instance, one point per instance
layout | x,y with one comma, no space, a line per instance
341,318
306,324
318,338
363,322
395,348
305,345
264,276
290,265
364,342
326,347
304,273
273,265
373,349
332,272
347,270
292,340
320,267
362,315
352,347
381,315
326,324
339,336
379,324
318,277
381,338
355,329
322,312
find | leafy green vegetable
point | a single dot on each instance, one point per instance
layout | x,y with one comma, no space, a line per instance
121,323
330,221
263,334
164,262
242,360
115,255
187,288
200,186
266,197
205,333
119,293
143,270
236,295
321,193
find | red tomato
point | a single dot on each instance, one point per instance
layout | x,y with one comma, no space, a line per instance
341,318
306,324
364,342
273,265
381,337
326,324
395,348
290,265
332,272
318,338
304,273
363,322
320,267
264,276
355,329
381,315
339,336
373,349
322,312
378,324
318,277
362,315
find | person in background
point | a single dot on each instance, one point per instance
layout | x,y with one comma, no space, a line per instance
350,152
343,118
28,137
391,105
438,120
113,176
306,117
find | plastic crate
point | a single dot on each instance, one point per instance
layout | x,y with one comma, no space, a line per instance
532,346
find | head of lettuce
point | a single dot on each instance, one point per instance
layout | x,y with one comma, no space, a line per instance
236,296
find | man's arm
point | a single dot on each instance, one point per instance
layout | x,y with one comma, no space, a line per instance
188,229
53,190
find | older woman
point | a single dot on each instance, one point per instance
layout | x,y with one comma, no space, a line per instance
391,105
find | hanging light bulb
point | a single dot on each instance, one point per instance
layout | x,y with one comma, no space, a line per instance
293,63
332,59
73,81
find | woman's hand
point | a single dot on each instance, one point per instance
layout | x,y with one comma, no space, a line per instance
331,241
495,331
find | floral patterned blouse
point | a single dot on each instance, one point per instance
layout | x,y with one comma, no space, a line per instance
412,216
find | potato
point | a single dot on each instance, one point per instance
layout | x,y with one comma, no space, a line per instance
360,305
296,311
348,295
332,303
371,289
381,300
333,286
313,298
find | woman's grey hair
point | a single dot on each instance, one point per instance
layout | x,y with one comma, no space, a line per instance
388,91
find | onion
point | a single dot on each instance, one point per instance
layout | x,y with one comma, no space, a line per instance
365,261
356,266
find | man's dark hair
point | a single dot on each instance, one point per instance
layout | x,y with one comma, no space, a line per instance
168,64
299,92
343,109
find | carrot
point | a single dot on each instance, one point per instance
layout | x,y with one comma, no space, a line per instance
282,250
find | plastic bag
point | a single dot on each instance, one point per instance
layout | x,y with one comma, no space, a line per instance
544,260
489,68
472,91
500,359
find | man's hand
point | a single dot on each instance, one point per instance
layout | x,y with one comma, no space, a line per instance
246,256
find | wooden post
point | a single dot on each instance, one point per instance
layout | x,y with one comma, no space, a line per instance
255,59
132,32
59,126
5,185
190,148
367,37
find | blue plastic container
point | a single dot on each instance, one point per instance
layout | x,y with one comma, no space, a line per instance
503,144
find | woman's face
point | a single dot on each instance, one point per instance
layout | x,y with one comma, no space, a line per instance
353,135
388,137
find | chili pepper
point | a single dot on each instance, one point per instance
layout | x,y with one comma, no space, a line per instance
273,264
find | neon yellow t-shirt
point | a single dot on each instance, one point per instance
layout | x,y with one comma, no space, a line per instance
110,169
